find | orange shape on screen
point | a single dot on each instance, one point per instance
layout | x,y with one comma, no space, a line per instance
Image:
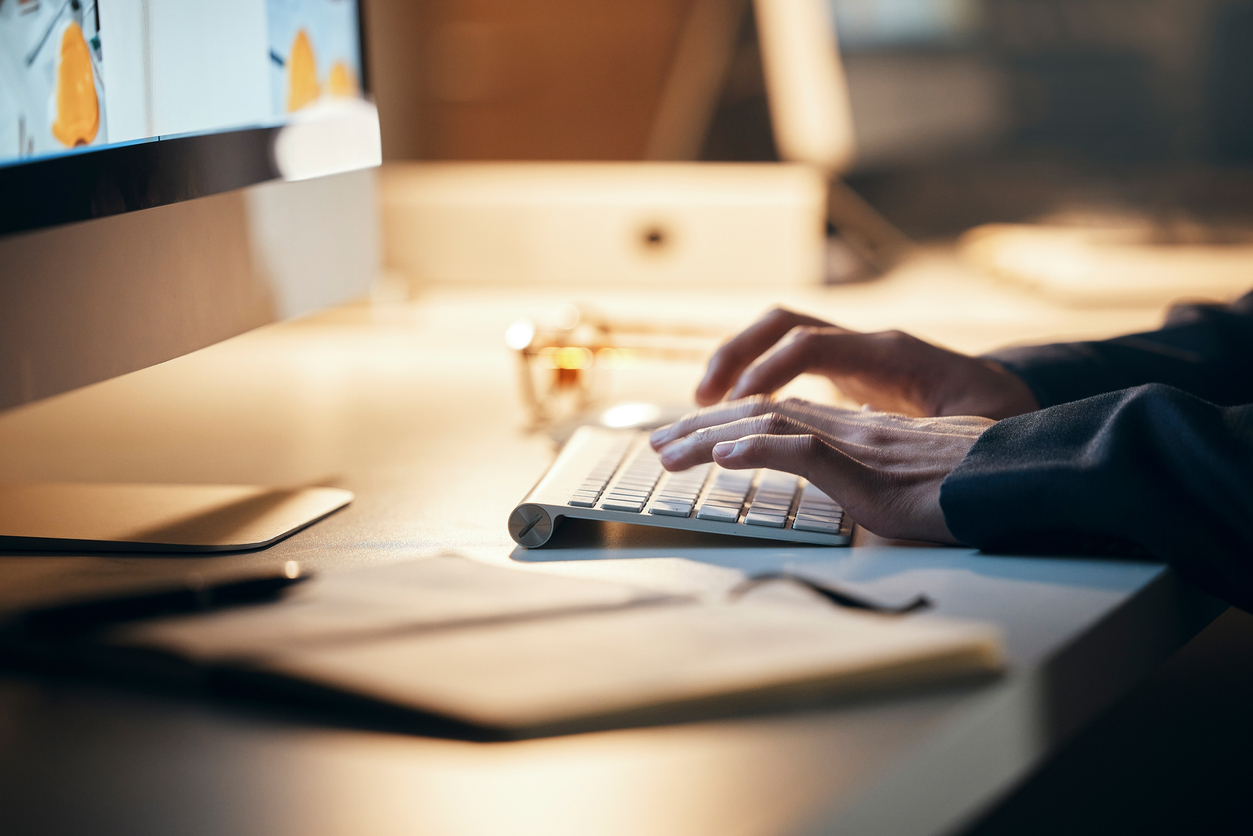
78,109
302,74
342,81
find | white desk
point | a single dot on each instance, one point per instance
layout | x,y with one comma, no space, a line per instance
415,409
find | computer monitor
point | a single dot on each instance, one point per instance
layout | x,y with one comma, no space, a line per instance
109,106
173,173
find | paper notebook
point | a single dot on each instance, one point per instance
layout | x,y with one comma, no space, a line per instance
520,652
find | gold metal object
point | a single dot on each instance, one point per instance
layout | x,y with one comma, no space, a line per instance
563,363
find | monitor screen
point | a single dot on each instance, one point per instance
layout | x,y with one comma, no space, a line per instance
889,24
113,105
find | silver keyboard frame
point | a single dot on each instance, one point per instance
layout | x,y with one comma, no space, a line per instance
533,521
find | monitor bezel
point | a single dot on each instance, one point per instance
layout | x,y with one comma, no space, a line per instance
85,185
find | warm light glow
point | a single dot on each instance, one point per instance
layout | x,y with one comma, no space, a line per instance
630,415
568,357
519,335
1101,265
567,317
609,356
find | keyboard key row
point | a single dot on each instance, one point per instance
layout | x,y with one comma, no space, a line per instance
726,496
633,488
770,506
818,512
773,500
678,497
594,483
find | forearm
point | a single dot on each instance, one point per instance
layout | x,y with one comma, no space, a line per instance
1204,350
1151,466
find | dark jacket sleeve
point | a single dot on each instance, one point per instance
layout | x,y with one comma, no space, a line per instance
1205,350
1151,467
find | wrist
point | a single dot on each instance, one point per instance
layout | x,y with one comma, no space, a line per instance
1014,395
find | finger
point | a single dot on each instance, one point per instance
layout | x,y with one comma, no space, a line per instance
708,417
736,354
806,455
697,447
807,349
833,419
854,430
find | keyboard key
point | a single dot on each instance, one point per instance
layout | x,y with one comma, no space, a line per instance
665,509
824,514
815,526
581,502
634,506
768,520
718,514
676,500
722,503
803,521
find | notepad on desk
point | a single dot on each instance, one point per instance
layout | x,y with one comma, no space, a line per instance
521,652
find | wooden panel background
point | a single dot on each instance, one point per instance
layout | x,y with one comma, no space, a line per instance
499,79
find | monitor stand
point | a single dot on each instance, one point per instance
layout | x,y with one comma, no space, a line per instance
157,518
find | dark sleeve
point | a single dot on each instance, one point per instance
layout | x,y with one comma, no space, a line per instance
1151,467
1206,350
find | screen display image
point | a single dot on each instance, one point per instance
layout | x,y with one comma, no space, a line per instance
315,52
82,74
51,78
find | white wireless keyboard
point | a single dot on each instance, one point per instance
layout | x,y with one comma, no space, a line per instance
613,475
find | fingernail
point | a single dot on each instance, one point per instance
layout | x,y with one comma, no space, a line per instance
724,448
659,436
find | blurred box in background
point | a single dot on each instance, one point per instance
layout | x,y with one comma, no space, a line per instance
592,224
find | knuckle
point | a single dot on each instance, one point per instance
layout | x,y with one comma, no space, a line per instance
775,423
780,313
804,334
807,340
813,446
758,404
895,338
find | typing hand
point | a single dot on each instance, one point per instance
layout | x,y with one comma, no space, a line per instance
890,371
886,470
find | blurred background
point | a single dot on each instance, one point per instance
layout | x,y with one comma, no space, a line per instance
1080,114
965,111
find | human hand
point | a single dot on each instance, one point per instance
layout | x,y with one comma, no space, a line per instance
890,371
886,470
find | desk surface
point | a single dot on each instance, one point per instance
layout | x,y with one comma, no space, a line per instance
414,408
